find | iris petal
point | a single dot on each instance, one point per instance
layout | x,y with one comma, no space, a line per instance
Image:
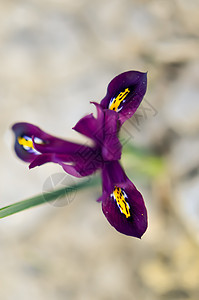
38,147
125,93
24,147
111,147
92,127
103,130
86,164
122,203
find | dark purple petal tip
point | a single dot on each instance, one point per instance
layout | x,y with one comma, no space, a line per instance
122,203
125,93
24,146
125,210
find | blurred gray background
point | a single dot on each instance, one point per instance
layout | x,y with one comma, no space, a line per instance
55,57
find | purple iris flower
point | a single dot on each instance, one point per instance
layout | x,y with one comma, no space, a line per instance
122,203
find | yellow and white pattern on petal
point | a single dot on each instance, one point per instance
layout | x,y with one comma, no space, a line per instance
116,102
121,198
27,143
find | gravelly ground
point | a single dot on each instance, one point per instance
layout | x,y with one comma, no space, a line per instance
55,57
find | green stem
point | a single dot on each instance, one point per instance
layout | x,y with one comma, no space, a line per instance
45,197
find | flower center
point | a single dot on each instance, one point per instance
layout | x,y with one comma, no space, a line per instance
121,199
116,102
27,144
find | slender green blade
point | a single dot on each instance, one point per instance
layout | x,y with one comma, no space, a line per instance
45,197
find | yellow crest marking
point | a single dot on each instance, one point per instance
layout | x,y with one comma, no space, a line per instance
120,197
25,143
115,103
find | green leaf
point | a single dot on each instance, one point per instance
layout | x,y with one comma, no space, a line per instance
45,197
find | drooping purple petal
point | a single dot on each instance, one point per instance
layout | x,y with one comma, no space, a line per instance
122,203
32,143
125,93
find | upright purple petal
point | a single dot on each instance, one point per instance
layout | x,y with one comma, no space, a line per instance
125,93
92,127
103,130
111,147
122,203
